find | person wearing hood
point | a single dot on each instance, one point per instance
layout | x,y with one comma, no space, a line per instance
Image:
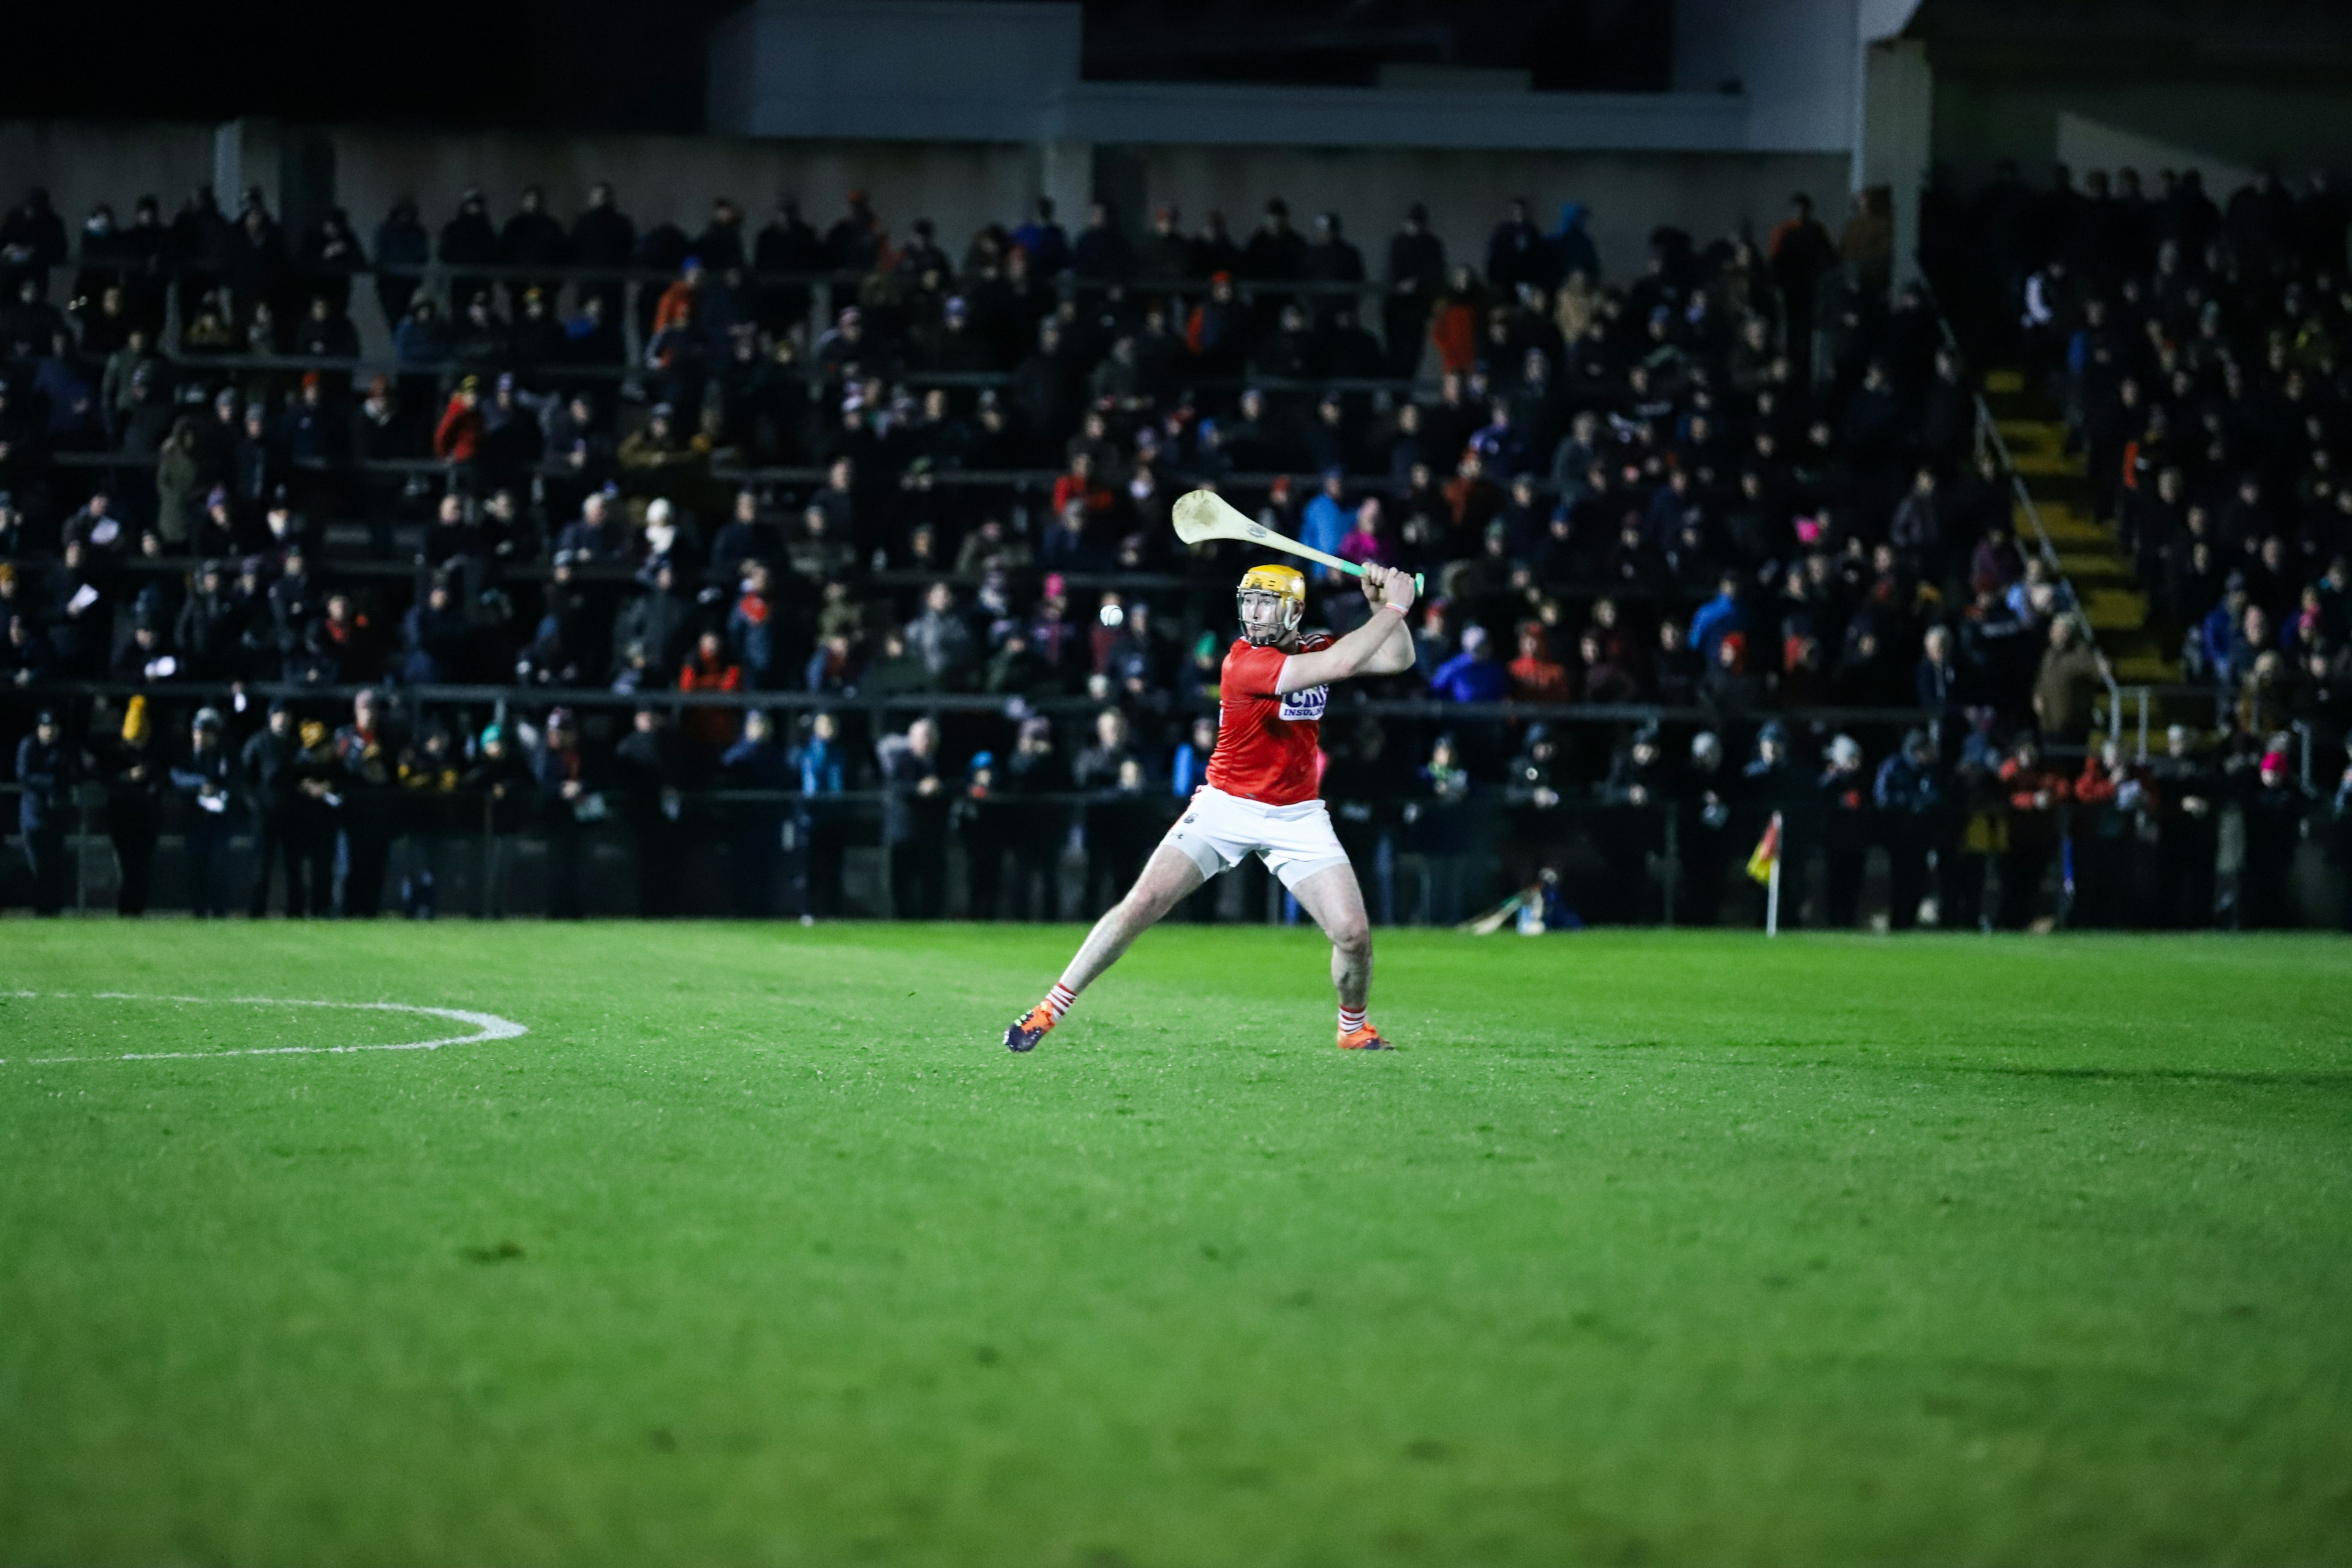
1571,243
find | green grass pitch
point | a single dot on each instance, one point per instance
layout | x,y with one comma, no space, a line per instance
757,1248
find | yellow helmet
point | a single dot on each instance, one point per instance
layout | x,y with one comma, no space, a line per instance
1285,583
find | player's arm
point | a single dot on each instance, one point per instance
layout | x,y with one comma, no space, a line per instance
1395,655
1370,649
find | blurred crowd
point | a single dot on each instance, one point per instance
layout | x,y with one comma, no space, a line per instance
832,469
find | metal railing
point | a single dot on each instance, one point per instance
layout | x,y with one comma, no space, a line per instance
1989,437
530,697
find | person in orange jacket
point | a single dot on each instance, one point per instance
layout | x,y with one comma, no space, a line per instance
1454,318
460,434
677,306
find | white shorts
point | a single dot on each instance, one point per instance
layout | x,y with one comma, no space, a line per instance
1218,829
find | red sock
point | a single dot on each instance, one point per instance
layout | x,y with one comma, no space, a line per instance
1350,1022
1058,1000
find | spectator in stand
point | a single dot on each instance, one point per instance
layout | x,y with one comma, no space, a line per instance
2036,794
205,782
1536,676
1719,617
1685,413
47,768
915,829
1326,523
942,639
1801,253
136,777
2276,813
2070,677
757,762
1909,795
1846,832
1471,675
824,823
458,438
569,803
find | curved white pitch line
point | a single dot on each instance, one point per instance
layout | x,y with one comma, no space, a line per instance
487,1027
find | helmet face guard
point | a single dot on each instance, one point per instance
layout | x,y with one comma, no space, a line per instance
1282,583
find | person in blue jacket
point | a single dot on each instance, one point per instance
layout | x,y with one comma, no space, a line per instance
1472,675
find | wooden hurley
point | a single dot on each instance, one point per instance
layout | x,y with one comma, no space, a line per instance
1204,514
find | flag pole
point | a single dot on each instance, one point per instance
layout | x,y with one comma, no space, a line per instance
1772,887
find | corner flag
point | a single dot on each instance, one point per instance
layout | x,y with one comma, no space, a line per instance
1765,866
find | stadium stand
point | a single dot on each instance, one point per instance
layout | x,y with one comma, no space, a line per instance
816,567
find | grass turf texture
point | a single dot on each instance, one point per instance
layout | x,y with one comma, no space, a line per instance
758,1248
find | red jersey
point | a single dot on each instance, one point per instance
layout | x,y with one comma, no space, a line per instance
1267,742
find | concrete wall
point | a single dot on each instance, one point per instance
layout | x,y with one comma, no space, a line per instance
1798,62
2085,145
950,71
1978,122
903,69
1184,114
675,178
83,162
959,185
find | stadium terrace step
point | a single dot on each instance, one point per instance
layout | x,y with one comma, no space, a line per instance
2145,670
2113,609
2070,530
2093,569
2028,437
2035,463
2089,553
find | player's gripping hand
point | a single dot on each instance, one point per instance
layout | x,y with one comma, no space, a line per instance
1386,585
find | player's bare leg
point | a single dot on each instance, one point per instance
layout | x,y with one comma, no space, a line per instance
1169,878
1337,902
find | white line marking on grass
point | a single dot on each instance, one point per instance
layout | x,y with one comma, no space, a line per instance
487,1027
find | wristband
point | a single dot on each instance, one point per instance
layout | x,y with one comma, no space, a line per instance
1400,609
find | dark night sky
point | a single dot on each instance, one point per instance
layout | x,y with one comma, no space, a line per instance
628,65
585,64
